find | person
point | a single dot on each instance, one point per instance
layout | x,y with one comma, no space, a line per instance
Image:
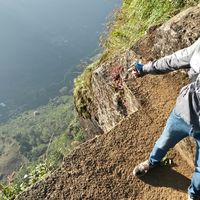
184,119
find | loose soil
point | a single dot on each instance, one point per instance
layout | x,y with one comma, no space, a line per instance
101,168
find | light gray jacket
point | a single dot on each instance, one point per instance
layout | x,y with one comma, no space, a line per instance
188,101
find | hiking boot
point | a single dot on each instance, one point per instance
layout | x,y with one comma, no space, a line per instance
193,198
141,169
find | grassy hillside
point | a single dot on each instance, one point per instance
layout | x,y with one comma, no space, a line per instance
33,130
36,141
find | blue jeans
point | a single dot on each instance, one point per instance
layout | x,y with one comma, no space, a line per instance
175,130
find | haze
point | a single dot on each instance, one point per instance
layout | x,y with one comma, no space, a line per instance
41,43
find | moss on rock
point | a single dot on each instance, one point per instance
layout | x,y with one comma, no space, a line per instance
83,91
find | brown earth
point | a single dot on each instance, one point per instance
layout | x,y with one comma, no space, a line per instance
102,167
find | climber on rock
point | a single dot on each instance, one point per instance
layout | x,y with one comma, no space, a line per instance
184,120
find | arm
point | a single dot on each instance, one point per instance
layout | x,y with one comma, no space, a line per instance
178,60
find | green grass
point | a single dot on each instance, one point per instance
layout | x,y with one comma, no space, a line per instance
52,130
135,17
43,140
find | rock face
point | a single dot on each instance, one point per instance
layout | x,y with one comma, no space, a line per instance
112,98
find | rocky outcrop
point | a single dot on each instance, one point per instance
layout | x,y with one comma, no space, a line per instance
112,96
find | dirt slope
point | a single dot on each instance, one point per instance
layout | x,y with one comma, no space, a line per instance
102,167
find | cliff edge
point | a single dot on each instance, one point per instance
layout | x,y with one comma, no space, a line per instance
132,114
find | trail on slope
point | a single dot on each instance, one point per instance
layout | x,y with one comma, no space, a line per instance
102,167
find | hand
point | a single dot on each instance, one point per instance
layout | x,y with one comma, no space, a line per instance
136,69
134,72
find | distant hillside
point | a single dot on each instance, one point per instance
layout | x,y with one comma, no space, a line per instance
29,136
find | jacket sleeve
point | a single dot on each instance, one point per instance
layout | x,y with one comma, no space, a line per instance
178,60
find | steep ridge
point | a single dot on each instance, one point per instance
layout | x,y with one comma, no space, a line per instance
102,167
112,97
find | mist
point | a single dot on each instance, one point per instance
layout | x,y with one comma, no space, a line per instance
41,44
